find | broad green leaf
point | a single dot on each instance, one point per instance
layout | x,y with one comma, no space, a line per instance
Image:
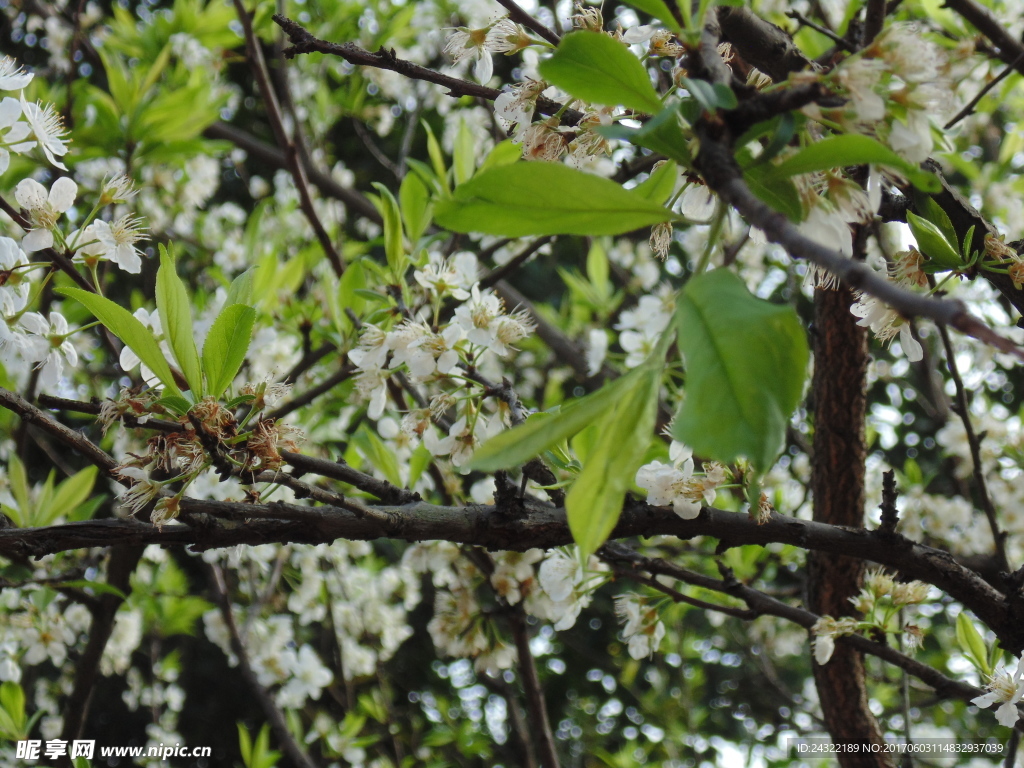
226,345
242,288
746,361
546,199
176,318
415,201
598,270
927,208
544,431
394,247
594,502
660,185
780,193
853,149
130,330
594,67
932,243
659,10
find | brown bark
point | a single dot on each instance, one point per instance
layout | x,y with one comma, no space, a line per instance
837,481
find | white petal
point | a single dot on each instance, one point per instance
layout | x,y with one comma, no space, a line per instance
30,194
37,240
62,194
483,68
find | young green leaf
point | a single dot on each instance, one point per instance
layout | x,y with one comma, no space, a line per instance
226,345
594,503
780,194
394,246
437,159
415,206
242,288
128,329
464,154
853,149
544,431
933,244
546,199
746,362
175,309
971,643
658,187
594,67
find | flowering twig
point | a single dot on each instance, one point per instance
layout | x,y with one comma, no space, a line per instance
520,16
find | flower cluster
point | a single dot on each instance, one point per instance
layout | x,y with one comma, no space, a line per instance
676,484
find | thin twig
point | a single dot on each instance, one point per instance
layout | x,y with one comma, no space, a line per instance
969,107
964,412
520,16
259,68
296,755
536,706
839,40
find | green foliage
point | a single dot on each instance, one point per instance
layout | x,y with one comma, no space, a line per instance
175,307
852,149
69,498
545,199
594,502
257,754
131,331
226,345
746,362
933,243
593,67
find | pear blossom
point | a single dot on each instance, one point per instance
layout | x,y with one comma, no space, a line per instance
142,492
597,350
48,130
12,76
507,37
13,132
307,677
1006,690
643,630
44,209
465,43
49,346
14,285
825,631
452,276
886,323
676,485
829,229
115,241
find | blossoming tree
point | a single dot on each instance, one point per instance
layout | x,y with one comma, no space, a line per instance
371,398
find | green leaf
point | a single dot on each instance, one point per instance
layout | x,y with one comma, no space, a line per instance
660,185
378,454
594,67
437,159
594,502
464,154
17,479
746,361
971,643
661,134
853,149
176,317
933,244
544,431
711,97
394,247
226,345
68,495
241,289
504,153
415,201
546,199
781,194
130,330
659,10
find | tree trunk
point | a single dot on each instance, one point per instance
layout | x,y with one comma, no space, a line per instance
837,482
